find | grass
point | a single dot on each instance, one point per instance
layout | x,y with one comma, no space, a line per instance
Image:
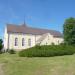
15,65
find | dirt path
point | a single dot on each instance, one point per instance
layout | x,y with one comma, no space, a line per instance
1,69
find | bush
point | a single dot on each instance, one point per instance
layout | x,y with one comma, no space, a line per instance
47,51
7,50
12,51
1,46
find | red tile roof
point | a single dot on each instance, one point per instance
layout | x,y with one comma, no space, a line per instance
29,30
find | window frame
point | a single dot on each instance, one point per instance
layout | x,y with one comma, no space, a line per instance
16,41
29,42
23,42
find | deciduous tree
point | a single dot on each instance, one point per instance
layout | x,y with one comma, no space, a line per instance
69,31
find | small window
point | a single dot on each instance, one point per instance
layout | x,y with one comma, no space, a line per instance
23,42
16,41
29,42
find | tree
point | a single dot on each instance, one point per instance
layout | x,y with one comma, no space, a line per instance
1,44
69,31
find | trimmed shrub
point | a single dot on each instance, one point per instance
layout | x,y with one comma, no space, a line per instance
47,51
12,51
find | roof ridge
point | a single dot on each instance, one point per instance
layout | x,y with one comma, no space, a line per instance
31,30
35,28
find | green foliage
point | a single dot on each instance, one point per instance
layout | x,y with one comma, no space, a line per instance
1,45
69,31
7,50
12,51
47,51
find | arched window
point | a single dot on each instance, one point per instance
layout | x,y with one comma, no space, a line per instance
29,42
16,41
23,42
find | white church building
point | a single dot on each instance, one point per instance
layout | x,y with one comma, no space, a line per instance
20,37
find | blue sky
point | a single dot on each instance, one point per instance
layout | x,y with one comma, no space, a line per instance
49,14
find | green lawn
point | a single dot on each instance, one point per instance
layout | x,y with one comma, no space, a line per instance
15,65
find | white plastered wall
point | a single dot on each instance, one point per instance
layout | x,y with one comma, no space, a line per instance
49,39
5,39
20,36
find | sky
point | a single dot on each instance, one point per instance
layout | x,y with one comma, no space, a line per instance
47,14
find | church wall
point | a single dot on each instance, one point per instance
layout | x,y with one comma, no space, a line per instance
20,36
49,39
5,39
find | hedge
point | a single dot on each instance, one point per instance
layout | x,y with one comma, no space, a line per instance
47,51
